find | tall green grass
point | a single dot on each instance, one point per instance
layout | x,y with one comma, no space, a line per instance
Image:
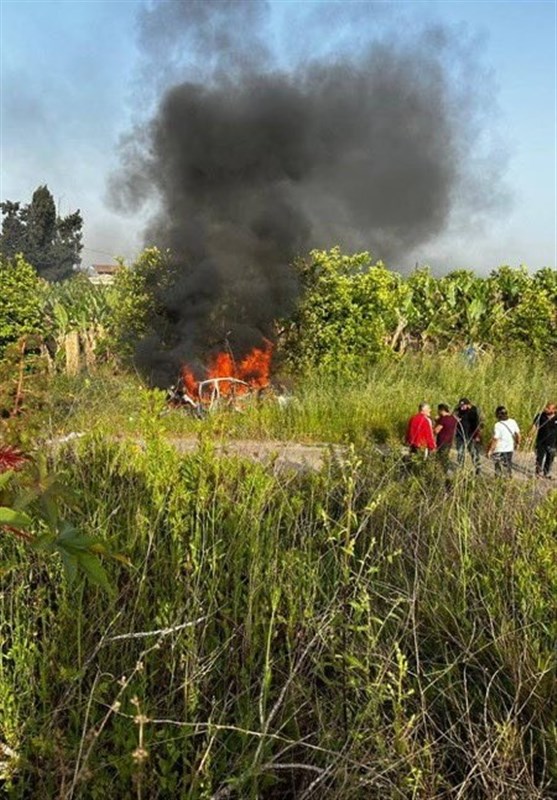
361,633
353,408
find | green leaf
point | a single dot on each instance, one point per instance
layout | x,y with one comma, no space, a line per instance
44,541
70,536
17,519
94,570
71,539
69,562
5,477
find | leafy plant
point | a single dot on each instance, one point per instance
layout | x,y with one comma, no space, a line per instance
78,315
31,505
348,313
359,627
23,295
135,309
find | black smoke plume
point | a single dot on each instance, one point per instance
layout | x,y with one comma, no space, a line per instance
253,165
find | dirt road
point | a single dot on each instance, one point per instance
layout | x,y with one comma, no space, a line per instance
293,455
284,455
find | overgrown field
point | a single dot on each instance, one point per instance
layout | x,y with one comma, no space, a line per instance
356,634
355,407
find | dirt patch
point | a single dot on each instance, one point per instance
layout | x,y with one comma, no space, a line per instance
281,455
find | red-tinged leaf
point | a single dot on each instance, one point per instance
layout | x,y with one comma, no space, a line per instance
11,458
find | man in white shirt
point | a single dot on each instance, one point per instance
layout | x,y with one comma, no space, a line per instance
505,440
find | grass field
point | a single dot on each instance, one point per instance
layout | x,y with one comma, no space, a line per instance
359,633
354,408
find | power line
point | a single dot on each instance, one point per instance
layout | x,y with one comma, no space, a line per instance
104,253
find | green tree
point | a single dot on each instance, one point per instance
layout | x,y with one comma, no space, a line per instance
136,310
546,279
532,323
12,238
508,285
349,311
23,293
66,248
40,229
50,243
422,303
352,311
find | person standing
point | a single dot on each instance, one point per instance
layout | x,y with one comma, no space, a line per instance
419,434
468,433
504,441
444,430
545,428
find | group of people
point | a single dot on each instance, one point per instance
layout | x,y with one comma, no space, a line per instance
463,427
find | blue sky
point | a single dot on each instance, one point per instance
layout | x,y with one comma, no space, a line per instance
69,81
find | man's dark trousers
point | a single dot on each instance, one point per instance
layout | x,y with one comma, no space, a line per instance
462,445
545,454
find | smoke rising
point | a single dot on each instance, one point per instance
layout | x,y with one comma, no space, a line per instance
253,165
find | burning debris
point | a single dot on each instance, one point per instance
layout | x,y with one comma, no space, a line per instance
227,381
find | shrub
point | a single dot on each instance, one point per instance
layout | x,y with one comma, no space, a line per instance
23,294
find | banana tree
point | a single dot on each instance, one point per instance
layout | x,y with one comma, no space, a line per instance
79,313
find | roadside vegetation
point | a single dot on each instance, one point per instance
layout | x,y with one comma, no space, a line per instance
352,311
361,406
355,633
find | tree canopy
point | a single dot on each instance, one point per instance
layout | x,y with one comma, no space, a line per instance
52,244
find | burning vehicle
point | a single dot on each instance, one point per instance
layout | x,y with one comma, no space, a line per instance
227,382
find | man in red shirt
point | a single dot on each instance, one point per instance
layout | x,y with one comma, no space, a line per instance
419,435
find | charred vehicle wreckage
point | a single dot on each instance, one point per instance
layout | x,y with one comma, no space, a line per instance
228,383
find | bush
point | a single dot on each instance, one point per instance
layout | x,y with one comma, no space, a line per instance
348,311
23,294
134,300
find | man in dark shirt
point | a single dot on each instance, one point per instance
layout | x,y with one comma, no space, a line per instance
545,428
444,430
468,433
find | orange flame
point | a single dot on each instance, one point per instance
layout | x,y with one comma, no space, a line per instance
253,369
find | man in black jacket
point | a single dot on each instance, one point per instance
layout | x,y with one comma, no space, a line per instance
545,428
468,433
